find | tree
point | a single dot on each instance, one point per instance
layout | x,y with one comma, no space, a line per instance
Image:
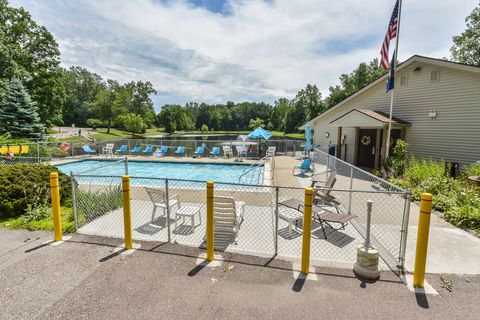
133,123
255,123
362,76
81,88
466,47
106,105
30,53
141,102
18,114
204,128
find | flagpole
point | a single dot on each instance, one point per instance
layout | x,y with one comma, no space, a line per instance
395,54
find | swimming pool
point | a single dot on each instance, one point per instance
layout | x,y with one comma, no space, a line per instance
229,173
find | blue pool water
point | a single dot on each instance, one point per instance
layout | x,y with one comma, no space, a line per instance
229,173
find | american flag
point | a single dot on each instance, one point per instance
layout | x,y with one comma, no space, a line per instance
391,33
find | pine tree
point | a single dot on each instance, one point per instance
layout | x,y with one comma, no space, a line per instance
18,114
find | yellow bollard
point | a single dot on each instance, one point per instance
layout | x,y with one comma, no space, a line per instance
307,230
127,215
57,218
210,225
422,240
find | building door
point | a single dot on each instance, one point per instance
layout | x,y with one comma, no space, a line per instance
366,148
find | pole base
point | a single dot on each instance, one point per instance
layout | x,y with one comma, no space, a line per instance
367,262
366,273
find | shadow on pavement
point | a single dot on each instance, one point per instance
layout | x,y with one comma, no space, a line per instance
421,298
299,282
198,268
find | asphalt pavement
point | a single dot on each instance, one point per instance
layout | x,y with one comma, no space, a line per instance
84,278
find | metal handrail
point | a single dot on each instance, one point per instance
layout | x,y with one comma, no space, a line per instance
251,167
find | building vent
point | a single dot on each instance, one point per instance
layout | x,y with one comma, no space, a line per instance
435,75
404,80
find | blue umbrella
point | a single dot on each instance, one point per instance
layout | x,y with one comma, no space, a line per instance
308,137
259,133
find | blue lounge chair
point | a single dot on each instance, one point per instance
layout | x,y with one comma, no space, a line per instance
215,151
180,150
136,149
160,152
148,149
304,166
87,150
123,148
200,150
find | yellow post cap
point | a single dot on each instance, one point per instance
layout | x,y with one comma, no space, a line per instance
427,196
53,175
309,191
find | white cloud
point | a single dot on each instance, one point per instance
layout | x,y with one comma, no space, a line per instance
258,51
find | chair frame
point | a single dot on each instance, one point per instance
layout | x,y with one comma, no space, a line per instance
227,150
159,200
223,208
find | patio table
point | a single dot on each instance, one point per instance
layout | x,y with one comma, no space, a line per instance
188,212
291,216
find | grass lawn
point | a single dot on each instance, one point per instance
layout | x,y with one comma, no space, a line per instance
117,133
68,224
74,139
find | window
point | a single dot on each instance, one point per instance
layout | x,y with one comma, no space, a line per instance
435,75
404,80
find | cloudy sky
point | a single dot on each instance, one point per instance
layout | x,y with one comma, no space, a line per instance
238,50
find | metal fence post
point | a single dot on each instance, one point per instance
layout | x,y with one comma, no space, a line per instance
38,152
74,200
422,240
127,214
307,230
404,231
210,223
57,216
294,144
369,219
167,203
126,165
276,220
351,188
128,146
286,147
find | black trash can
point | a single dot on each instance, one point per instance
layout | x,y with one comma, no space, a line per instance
331,149
452,168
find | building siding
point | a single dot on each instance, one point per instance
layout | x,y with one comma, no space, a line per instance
453,136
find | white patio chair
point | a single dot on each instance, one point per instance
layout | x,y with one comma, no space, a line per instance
159,200
108,149
271,151
227,151
241,151
228,216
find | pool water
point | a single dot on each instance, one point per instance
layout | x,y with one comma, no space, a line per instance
229,173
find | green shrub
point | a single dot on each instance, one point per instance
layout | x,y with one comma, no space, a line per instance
22,185
93,204
466,217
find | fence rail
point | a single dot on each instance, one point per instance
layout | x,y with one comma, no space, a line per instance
175,210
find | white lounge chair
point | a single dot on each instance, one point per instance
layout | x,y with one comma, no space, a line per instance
241,151
228,216
108,149
227,151
159,200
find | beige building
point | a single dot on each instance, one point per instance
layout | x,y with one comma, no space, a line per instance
436,110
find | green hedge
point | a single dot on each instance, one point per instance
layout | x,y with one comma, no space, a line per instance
22,185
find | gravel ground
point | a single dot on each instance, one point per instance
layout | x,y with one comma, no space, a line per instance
84,279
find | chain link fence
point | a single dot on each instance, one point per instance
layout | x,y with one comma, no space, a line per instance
261,224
